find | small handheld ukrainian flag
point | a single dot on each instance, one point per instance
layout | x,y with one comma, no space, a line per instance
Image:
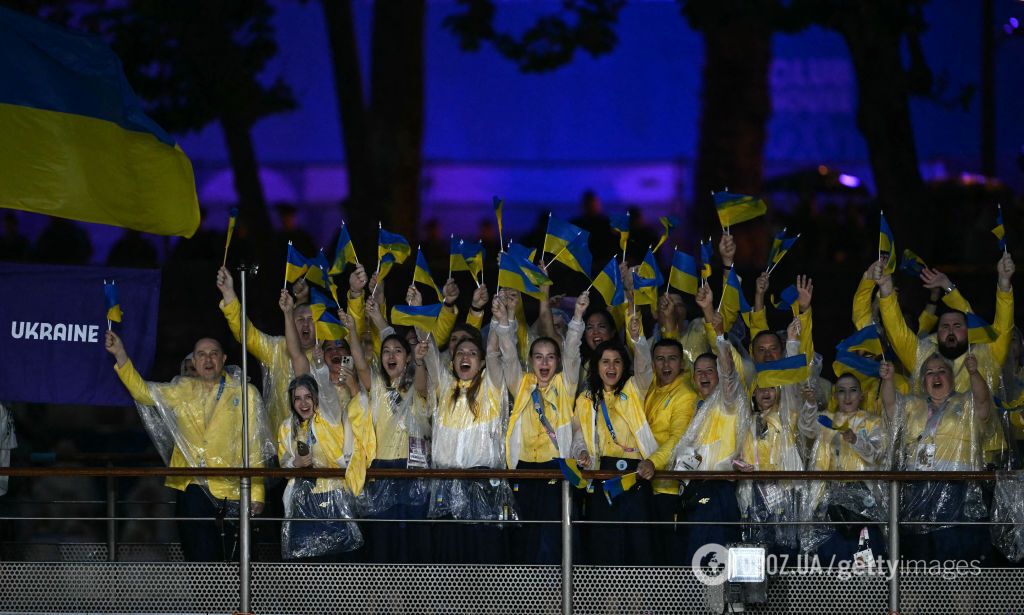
609,284
735,208
780,246
232,220
344,253
571,472
646,281
620,224
498,206
825,421
384,266
1000,230
979,331
522,251
886,244
912,264
518,274
705,259
569,244
788,300
667,224
329,328
394,244
295,265
318,272
422,316
790,370
614,487
683,275
862,368
113,304
422,273
732,296
475,256
865,340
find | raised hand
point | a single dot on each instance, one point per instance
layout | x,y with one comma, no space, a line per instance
634,326
450,292
480,298
793,330
1005,268
226,285
886,370
357,281
286,303
727,248
498,309
933,278
413,296
582,303
971,363
805,290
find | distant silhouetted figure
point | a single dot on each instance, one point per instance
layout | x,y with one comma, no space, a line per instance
133,250
13,245
604,243
63,241
291,231
641,236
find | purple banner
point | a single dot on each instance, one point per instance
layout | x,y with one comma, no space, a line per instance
54,319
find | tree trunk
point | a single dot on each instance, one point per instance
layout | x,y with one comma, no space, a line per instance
396,103
252,204
735,106
359,211
874,39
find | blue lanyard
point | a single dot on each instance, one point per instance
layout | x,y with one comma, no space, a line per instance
611,430
538,407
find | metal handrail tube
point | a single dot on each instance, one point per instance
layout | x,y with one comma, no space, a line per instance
433,473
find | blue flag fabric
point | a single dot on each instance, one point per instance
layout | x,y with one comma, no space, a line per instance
59,320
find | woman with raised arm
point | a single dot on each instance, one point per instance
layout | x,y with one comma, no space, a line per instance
394,397
941,430
613,434
540,425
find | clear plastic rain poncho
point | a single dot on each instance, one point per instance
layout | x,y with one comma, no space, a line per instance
334,442
943,437
710,440
401,426
854,501
196,425
469,433
8,441
770,444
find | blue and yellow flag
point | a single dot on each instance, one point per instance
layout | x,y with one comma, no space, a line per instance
614,487
76,142
886,244
825,421
732,296
569,244
571,472
788,300
475,255
320,303
780,246
790,370
912,264
609,284
422,273
522,251
456,255
296,265
519,274
232,220
344,253
735,208
422,316
979,331
646,280
862,368
705,259
667,224
865,340
498,206
683,275
384,267
620,224
1000,231
329,328
318,270
113,304
394,244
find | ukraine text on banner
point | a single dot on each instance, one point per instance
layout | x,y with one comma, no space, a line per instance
60,318
735,208
790,370
75,141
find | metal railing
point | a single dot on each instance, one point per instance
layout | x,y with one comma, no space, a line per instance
566,522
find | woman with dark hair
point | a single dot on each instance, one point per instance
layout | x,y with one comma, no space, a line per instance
540,425
598,327
612,434
394,399
471,406
314,437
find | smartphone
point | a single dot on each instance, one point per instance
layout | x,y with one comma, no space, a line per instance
301,448
346,361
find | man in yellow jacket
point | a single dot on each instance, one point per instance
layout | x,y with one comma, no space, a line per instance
196,422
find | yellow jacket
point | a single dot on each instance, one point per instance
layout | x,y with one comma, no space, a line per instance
206,422
669,410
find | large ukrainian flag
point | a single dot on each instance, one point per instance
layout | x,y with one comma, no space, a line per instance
74,140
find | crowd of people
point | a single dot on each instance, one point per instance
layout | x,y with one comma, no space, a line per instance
486,389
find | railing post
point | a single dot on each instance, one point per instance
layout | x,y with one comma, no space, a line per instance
894,547
244,483
111,521
566,548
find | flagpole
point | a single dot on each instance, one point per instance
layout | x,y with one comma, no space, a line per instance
544,248
285,285
1003,240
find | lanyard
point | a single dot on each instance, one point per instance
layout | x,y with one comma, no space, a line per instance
611,430
538,407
